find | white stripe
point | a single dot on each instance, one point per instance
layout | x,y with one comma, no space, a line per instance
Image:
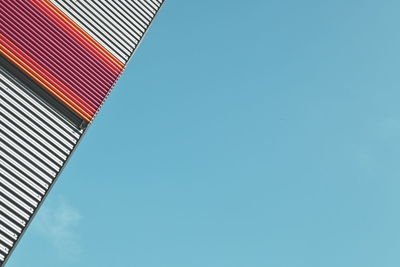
31,157
116,25
38,107
6,240
35,151
26,163
14,208
4,249
32,109
18,192
10,223
8,232
16,200
101,24
26,172
93,32
17,182
47,145
62,146
28,113
12,216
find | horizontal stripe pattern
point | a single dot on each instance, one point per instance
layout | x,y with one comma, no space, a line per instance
35,142
75,51
56,54
117,25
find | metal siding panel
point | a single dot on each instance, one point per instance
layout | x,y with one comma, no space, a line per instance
32,138
36,140
117,25
48,38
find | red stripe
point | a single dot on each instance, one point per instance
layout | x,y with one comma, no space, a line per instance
29,48
91,68
67,60
78,37
66,55
82,51
43,73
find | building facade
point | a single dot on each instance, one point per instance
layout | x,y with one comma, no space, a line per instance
59,60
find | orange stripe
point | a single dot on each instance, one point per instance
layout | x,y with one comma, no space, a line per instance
43,71
108,56
46,75
31,72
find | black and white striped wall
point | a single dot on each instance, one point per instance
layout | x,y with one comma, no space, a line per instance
37,133
35,142
117,25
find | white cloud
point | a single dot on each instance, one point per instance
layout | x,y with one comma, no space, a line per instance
56,222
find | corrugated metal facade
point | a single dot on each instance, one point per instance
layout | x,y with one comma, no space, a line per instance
35,143
117,25
56,69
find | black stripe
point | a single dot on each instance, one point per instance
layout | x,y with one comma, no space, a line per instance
42,94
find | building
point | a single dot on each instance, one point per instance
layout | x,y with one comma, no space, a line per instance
59,60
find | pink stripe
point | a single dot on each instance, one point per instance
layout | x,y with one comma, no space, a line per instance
61,55
65,39
28,47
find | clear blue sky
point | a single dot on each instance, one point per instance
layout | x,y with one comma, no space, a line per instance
243,133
